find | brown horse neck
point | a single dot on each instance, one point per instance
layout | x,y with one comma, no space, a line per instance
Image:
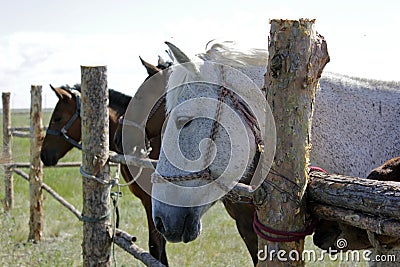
113,125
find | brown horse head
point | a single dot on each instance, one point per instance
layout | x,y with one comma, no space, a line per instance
152,129
389,171
64,131
55,145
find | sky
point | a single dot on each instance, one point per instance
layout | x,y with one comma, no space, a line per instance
45,42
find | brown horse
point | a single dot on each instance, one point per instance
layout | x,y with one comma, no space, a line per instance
64,133
328,232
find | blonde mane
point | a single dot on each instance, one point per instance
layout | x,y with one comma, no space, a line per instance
229,53
251,62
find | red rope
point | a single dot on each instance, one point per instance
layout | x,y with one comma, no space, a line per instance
284,235
317,169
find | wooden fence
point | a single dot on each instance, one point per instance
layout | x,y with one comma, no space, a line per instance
34,132
381,215
35,178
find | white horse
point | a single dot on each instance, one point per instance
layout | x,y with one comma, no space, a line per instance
356,124
355,128
216,123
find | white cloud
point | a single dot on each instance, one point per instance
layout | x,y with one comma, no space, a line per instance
43,58
55,57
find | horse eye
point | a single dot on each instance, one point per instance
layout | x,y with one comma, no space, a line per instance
187,124
183,122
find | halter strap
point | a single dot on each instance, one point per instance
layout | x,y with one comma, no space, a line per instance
123,121
64,130
205,174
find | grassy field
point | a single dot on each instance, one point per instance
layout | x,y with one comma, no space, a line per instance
218,245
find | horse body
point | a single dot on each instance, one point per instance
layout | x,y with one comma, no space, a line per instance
355,127
355,124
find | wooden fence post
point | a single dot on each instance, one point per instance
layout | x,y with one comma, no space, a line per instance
297,56
7,153
97,231
36,168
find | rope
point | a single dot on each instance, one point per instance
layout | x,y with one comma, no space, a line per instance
93,219
113,182
115,197
316,169
283,236
158,178
97,179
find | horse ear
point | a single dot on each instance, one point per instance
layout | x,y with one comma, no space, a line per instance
61,93
182,58
177,53
161,61
151,69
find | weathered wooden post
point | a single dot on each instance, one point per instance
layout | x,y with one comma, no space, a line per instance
36,168
7,153
297,56
97,231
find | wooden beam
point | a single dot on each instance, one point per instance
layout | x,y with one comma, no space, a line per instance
54,194
124,241
97,230
360,195
376,224
297,56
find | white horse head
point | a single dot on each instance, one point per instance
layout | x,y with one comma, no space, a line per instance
217,121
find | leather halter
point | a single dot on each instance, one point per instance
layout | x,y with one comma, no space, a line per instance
142,125
205,174
126,122
64,130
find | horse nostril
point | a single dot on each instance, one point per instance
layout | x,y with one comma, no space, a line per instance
45,159
159,224
49,159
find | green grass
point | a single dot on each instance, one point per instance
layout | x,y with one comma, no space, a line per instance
218,245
